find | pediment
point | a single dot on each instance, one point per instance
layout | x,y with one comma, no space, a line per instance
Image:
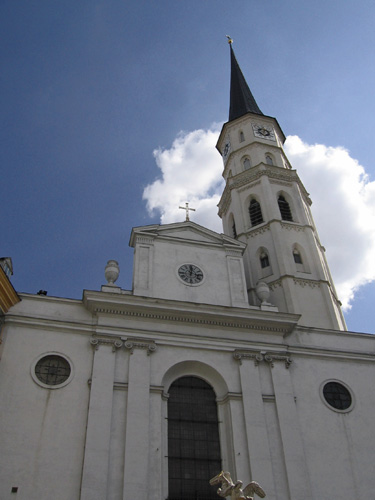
187,232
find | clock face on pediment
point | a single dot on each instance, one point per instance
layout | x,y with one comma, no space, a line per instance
190,274
264,131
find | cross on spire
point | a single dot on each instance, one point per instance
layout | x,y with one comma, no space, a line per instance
187,209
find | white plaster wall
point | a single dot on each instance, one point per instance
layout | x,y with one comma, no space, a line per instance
338,446
42,431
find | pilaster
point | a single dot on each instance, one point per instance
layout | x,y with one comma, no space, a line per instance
96,457
256,432
295,461
136,471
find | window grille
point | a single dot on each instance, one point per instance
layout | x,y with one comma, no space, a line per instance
297,257
264,260
337,395
255,213
52,370
193,440
284,207
234,230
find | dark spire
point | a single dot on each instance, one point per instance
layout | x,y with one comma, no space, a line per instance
241,98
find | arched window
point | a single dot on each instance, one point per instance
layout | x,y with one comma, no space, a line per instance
193,440
264,260
246,163
269,160
284,207
242,137
297,257
234,230
255,211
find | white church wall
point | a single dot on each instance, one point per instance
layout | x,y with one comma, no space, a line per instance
261,407
42,430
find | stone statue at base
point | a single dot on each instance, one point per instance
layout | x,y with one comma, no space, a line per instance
234,490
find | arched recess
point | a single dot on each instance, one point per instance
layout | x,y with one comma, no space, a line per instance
211,377
241,136
264,262
300,259
286,207
246,162
197,369
270,160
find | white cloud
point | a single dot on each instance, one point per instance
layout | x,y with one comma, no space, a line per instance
190,172
343,198
343,210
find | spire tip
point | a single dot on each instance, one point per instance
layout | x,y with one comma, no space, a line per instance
230,40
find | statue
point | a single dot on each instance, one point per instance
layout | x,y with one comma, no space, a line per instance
234,490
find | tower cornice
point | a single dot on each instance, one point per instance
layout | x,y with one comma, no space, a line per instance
253,175
242,120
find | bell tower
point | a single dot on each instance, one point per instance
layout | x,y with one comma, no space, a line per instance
266,206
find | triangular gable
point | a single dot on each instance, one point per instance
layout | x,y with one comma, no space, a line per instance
185,232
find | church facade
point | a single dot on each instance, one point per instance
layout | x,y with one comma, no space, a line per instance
229,353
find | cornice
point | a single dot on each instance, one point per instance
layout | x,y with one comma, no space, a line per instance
247,177
60,325
148,309
266,226
303,282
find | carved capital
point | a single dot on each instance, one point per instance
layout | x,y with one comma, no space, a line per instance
96,342
271,358
132,344
257,357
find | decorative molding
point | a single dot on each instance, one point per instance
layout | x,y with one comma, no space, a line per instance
230,396
157,389
249,186
120,386
275,284
233,253
133,343
293,226
259,230
145,239
281,183
304,283
245,325
268,398
275,174
297,281
96,342
259,356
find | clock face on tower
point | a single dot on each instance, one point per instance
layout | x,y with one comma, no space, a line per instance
226,150
190,274
264,131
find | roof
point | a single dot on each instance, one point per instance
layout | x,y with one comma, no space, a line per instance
241,99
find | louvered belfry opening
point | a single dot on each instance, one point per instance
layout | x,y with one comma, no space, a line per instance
193,440
284,207
255,212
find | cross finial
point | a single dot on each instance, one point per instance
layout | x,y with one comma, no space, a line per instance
187,209
230,41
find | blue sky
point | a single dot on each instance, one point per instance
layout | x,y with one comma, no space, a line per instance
91,88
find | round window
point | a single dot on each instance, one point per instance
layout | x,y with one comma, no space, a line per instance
52,370
337,396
